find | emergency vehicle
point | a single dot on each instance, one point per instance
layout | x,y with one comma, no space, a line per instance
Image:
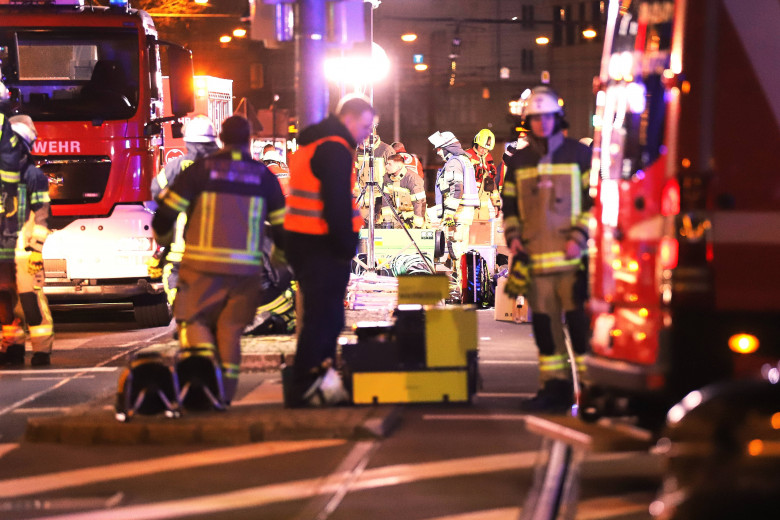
90,78
685,254
213,98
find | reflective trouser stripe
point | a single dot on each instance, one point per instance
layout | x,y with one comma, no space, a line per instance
552,367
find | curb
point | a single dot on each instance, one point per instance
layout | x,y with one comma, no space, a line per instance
238,425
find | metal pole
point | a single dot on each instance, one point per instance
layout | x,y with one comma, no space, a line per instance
311,88
371,260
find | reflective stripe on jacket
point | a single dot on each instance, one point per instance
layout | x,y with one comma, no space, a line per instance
305,207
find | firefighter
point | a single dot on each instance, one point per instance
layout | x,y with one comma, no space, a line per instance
273,158
456,191
10,155
485,173
404,192
322,224
546,205
34,208
411,161
227,197
200,139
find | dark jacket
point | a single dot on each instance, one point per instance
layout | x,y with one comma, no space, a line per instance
332,164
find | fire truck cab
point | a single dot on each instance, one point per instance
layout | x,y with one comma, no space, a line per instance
685,253
90,78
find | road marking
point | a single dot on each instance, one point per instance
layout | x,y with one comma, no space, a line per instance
307,488
474,417
50,371
80,477
61,409
54,378
79,373
508,362
6,447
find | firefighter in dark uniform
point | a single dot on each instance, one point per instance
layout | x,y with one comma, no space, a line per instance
322,225
200,138
10,154
34,210
227,197
546,211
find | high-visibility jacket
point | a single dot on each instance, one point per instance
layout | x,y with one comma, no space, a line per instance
10,156
305,207
227,197
545,202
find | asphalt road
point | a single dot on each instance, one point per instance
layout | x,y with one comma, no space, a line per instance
442,462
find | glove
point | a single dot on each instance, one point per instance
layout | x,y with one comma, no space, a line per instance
35,262
155,264
519,276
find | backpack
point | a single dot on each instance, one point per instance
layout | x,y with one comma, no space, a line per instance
476,280
146,386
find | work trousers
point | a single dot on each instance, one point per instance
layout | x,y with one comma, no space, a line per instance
32,307
551,298
322,281
7,303
211,311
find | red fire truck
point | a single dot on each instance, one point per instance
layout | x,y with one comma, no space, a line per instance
90,78
685,260
213,98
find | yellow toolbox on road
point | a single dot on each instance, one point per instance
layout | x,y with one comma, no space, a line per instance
429,354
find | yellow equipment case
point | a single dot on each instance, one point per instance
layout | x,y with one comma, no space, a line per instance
428,355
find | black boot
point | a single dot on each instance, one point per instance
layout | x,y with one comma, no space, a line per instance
556,396
14,355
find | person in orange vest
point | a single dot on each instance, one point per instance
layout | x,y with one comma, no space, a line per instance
322,224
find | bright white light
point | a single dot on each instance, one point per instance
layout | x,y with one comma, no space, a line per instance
357,70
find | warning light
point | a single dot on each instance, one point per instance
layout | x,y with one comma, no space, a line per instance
743,343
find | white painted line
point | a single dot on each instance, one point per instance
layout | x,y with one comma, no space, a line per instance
507,362
51,371
61,409
303,489
63,382
54,378
80,477
6,447
505,394
504,513
474,417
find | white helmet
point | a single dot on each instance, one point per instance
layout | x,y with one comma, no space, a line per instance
23,126
199,129
543,100
442,139
273,155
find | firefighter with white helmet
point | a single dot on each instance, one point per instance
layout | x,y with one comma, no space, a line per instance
546,211
33,211
456,192
200,138
10,155
486,173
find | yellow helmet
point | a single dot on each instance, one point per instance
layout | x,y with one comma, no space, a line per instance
485,139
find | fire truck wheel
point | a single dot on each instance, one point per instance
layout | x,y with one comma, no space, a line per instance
152,310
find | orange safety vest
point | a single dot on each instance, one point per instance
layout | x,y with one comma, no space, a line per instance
304,203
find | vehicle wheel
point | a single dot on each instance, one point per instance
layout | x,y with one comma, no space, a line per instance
152,311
